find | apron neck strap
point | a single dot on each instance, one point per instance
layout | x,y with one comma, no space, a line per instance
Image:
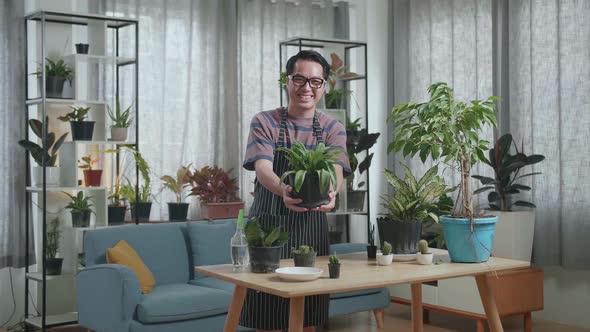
317,129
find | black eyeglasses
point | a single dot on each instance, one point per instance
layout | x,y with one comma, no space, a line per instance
314,82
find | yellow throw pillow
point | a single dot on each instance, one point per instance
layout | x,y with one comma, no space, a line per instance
122,253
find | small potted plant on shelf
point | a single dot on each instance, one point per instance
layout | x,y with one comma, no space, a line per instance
385,257
82,48
372,248
413,203
334,267
57,72
81,130
304,256
504,186
358,142
447,129
47,153
141,205
178,210
92,177
424,256
311,173
264,246
217,191
336,96
53,264
80,208
121,122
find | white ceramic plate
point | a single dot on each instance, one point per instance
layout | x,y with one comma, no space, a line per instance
297,273
404,257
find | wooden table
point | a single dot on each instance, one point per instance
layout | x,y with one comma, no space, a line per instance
358,273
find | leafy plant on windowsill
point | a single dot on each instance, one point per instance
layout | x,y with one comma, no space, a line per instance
52,146
177,184
262,236
214,185
506,168
122,189
446,129
336,97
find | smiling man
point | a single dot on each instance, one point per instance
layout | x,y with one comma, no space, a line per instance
273,206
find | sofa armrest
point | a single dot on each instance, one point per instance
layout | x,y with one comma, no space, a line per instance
107,295
347,248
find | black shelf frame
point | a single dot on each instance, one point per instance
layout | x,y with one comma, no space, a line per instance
318,43
68,18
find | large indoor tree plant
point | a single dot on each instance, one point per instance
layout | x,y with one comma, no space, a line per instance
311,172
516,228
217,191
449,130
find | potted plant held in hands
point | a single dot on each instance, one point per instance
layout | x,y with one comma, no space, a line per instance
92,177
304,256
80,208
47,153
413,203
311,173
264,246
515,229
81,130
217,191
358,142
121,120
447,129
178,210
53,264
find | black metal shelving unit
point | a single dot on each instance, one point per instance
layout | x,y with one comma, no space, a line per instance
295,44
44,19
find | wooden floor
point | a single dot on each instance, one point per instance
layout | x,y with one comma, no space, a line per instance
397,319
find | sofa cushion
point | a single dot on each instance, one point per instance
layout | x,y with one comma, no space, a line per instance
214,283
174,302
342,295
122,253
210,242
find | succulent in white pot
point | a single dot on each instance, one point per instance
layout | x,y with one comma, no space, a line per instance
385,257
424,256
121,122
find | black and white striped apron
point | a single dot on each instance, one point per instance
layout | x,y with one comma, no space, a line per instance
269,312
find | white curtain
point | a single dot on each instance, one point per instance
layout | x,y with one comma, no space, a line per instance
12,129
549,101
441,40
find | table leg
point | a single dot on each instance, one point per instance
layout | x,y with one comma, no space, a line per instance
296,314
417,322
235,309
489,304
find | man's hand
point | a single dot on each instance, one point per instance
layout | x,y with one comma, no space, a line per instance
330,206
290,202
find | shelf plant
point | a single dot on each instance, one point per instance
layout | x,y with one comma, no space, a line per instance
336,96
217,191
449,130
92,177
141,204
53,263
81,130
57,72
121,120
44,153
80,208
311,173
264,246
178,210
304,256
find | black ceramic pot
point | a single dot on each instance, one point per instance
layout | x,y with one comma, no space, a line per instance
143,210
82,48
177,211
81,218
309,193
334,270
264,259
53,266
116,214
82,130
306,260
372,252
403,236
54,86
355,200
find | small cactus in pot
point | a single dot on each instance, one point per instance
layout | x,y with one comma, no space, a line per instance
372,248
334,267
386,255
424,256
304,256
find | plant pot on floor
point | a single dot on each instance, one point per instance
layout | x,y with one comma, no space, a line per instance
82,130
371,252
264,259
142,210
52,175
116,214
465,246
82,48
355,200
119,134
92,177
177,211
81,218
305,260
309,193
334,271
211,211
403,236
53,266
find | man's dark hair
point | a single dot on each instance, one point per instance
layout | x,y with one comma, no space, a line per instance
308,55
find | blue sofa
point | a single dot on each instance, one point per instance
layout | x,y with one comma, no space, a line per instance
109,297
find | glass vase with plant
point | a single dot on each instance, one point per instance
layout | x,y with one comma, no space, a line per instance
449,130
81,130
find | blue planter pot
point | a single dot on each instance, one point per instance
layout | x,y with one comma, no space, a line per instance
467,247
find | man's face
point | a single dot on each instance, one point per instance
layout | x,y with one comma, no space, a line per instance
305,97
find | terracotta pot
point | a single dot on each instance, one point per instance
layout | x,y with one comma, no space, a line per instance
227,210
92,177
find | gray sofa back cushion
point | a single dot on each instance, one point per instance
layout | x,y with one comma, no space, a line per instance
210,242
164,248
